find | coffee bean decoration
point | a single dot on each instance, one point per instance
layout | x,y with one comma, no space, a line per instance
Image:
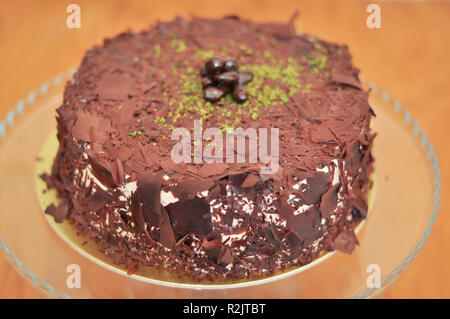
227,78
213,93
245,77
214,65
222,76
239,93
230,65
207,82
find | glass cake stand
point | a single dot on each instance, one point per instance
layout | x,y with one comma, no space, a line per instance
404,206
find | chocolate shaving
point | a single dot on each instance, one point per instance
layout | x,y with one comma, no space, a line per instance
305,227
114,86
250,181
315,187
345,241
59,212
149,190
329,201
98,200
100,171
189,189
346,80
190,216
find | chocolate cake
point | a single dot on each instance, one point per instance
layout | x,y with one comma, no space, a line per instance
118,184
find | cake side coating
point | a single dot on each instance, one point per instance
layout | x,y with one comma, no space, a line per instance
117,183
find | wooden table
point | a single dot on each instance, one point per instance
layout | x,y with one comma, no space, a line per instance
408,56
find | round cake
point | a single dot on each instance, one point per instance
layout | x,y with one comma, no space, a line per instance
219,216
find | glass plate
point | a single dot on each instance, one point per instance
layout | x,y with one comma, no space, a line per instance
404,208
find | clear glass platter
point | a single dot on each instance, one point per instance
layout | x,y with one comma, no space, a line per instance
404,206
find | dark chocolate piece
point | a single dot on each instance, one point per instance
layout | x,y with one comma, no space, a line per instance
345,241
190,216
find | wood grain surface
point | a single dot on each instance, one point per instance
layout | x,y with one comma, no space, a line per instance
408,56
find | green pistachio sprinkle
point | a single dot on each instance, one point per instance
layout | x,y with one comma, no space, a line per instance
245,50
320,48
316,64
160,120
269,56
204,54
274,82
135,133
177,44
157,50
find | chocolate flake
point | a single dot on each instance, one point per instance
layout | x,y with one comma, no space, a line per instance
306,227
190,216
345,241
315,187
59,212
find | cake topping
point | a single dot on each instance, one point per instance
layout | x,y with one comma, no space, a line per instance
190,216
214,94
222,76
214,65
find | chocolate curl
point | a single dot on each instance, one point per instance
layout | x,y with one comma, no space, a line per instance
101,172
225,256
291,21
190,216
345,241
148,200
59,212
329,201
149,190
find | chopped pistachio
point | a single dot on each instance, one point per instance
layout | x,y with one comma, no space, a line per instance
245,50
135,133
178,44
160,120
321,48
204,54
157,50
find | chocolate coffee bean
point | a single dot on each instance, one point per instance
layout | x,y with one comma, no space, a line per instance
213,94
230,65
240,93
221,76
206,82
245,77
227,78
214,65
